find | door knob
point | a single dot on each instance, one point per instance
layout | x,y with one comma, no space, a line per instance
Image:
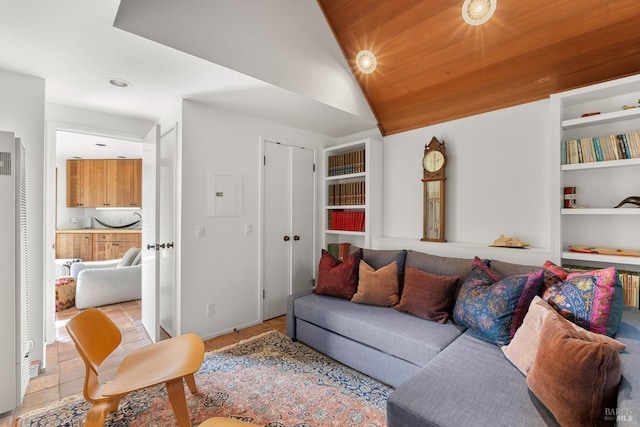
287,238
149,247
161,246
296,238
169,245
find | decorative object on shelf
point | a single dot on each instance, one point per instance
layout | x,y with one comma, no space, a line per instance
634,200
595,113
434,163
509,242
569,197
604,251
628,107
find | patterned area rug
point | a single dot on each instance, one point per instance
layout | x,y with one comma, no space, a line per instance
267,380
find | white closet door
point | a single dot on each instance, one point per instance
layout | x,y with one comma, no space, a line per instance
303,197
277,225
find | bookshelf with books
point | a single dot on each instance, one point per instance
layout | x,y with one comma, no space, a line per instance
596,135
353,194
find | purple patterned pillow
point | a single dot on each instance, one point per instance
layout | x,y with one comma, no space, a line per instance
591,299
495,307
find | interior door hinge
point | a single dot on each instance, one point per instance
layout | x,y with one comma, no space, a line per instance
263,294
264,160
314,167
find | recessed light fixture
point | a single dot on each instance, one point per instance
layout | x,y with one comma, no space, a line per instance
477,12
101,145
119,82
366,61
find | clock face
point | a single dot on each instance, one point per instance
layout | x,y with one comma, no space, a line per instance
433,161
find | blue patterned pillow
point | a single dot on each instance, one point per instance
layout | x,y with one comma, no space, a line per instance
495,307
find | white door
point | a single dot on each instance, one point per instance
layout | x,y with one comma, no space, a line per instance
168,304
302,219
287,224
150,292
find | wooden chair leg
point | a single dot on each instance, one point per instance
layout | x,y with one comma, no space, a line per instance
191,383
175,390
114,405
98,413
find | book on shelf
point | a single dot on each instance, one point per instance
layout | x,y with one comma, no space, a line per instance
630,281
346,163
601,148
346,220
349,193
339,250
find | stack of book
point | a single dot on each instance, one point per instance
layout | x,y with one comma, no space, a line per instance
346,163
339,250
603,148
350,193
630,284
346,221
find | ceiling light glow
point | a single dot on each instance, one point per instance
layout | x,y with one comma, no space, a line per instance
477,12
366,61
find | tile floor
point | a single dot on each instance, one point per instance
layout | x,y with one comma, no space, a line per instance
65,370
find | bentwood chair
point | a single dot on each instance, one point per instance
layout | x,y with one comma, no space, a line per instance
170,361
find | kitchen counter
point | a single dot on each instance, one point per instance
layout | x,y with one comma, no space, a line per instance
101,230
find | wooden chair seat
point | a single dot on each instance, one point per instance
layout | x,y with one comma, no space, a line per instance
170,361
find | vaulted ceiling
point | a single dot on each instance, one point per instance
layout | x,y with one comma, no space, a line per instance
433,67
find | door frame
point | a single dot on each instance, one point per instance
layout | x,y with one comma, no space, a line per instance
50,215
261,207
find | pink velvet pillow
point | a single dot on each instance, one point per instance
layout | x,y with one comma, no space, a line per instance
427,295
337,278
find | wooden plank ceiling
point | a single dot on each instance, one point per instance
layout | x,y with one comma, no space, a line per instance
433,67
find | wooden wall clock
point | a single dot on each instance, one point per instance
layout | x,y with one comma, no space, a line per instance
434,163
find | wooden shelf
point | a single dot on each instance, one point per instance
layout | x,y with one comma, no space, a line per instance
356,207
601,211
611,117
347,233
608,259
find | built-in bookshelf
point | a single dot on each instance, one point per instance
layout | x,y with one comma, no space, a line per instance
353,193
597,150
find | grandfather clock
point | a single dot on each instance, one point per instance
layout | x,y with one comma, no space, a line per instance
434,163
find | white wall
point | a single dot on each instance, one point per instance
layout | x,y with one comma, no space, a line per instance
223,267
22,112
498,177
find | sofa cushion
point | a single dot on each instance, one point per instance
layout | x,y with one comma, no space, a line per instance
427,295
629,389
469,383
378,258
508,269
377,287
493,308
574,378
591,299
129,257
442,266
398,334
523,348
338,278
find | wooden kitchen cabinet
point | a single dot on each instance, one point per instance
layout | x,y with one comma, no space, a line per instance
74,245
114,245
104,183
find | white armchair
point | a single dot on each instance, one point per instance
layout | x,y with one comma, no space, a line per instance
103,282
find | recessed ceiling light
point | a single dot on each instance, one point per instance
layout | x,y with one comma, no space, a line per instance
366,61
119,82
477,12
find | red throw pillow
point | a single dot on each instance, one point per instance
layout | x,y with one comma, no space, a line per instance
337,278
427,295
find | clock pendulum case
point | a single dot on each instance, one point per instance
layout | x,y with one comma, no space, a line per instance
434,163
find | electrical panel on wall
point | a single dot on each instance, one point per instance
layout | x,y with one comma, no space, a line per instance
225,195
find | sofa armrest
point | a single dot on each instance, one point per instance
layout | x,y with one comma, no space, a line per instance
290,318
103,286
77,267
629,389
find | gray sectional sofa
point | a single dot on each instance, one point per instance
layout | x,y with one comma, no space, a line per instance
443,374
